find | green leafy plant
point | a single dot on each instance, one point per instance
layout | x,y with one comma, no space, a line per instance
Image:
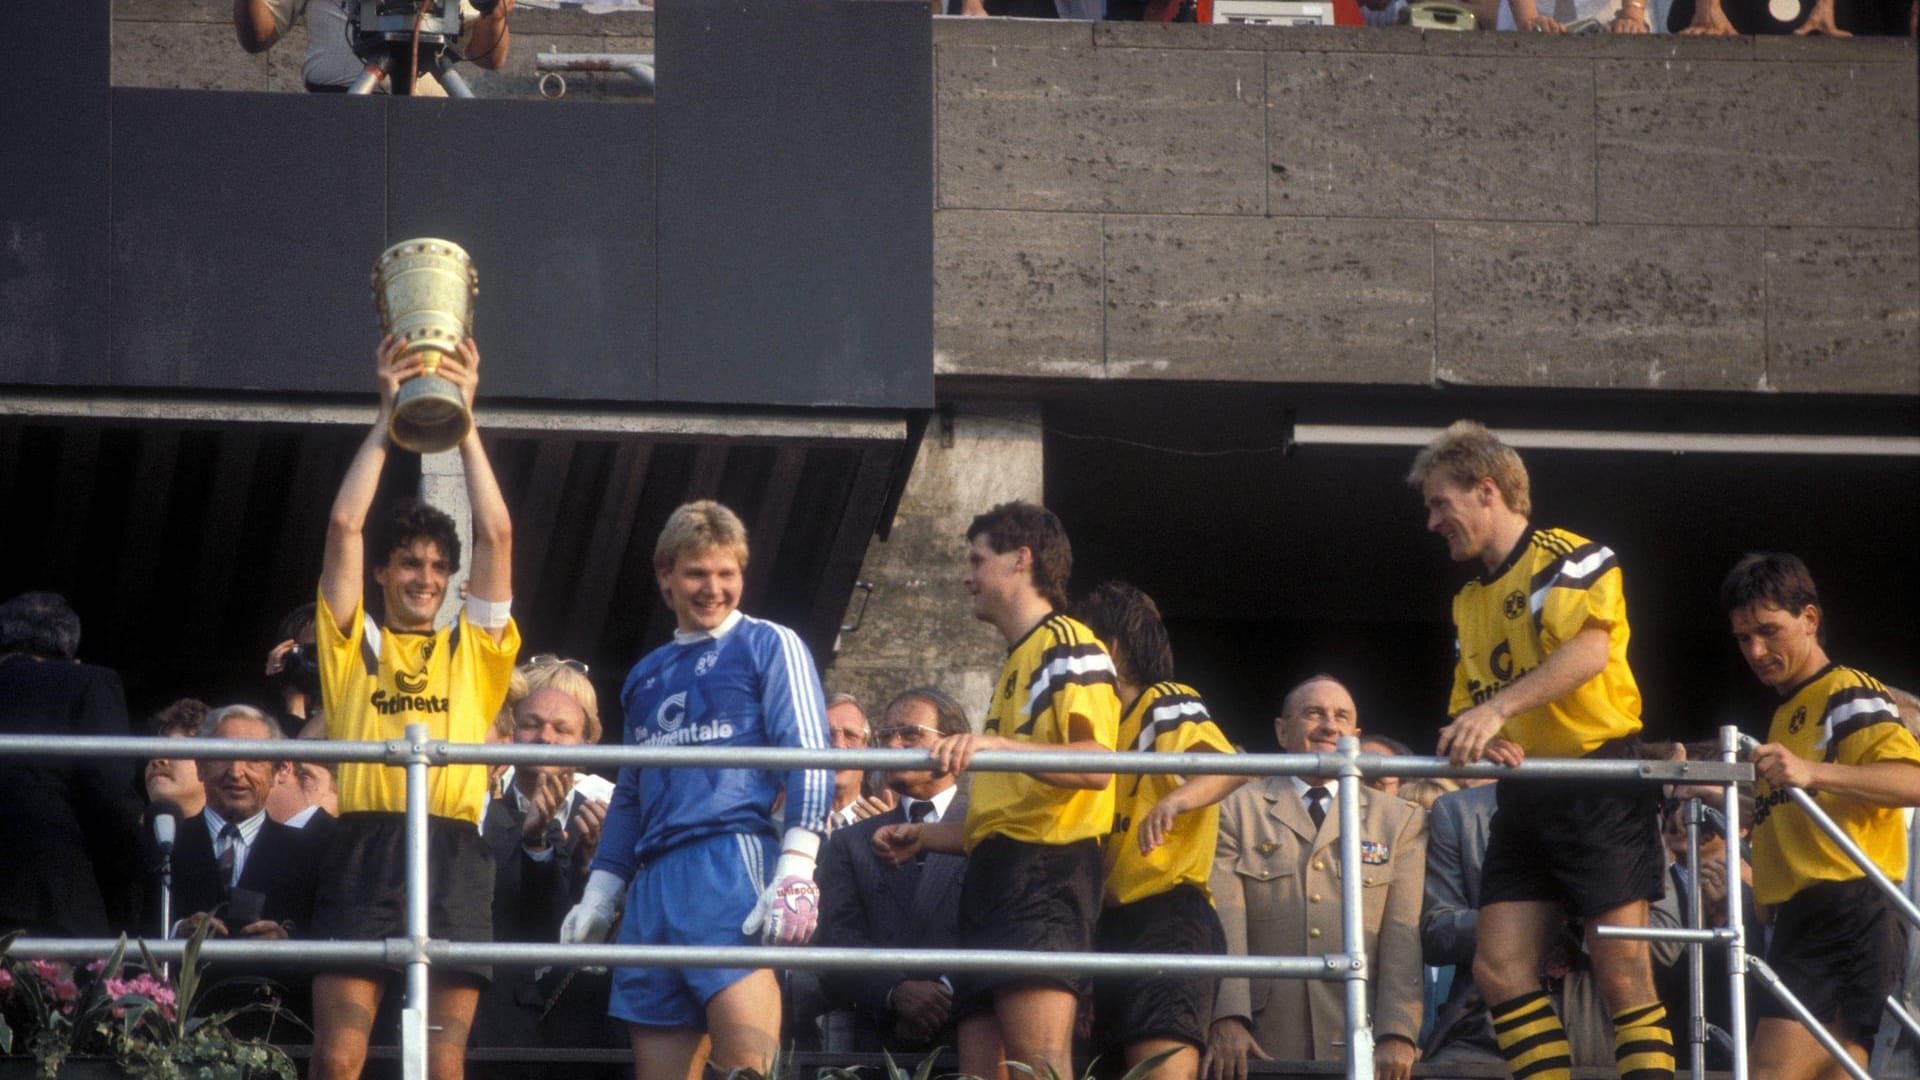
127,1013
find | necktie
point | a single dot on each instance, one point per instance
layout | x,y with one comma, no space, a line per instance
918,811
1317,805
230,835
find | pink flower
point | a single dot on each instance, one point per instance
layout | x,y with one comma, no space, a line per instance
97,964
6,980
65,990
47,970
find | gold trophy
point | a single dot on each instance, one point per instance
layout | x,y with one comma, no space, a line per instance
424,289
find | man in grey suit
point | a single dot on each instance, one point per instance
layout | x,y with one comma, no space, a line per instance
1276,885
1456,846
865,902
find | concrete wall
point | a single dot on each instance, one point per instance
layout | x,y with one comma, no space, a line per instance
1119,201
917,627
1329,205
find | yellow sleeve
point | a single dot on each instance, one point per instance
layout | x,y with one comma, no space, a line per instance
488,666
1198,737
1885,740
1087,710
1574,603
338,653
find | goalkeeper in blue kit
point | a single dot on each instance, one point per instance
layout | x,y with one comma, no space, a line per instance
693,852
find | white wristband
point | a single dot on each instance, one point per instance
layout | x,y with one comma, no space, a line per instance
488,614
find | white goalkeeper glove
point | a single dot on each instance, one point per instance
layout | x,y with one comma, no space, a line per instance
790,907
592,917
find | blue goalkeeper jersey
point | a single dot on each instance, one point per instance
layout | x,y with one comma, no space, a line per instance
750,683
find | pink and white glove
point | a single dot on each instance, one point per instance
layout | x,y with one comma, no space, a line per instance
790,907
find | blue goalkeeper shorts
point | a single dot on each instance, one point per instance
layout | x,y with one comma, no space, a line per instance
696,894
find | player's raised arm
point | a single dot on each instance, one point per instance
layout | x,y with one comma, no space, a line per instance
341,566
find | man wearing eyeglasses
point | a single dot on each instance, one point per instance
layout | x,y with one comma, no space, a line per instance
869,903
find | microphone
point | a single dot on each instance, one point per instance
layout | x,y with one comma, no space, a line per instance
163,816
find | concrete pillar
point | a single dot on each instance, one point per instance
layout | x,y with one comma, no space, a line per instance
918,628
443,485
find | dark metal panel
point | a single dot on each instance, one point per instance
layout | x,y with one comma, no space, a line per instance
592,587
244,226
54,194
840,562
796,229
555,204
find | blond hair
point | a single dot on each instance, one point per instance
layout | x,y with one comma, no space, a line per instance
569,682
696,528
1423,791
1467,452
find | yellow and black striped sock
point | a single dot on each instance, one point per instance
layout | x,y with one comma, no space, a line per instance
1642,1045
1532,1038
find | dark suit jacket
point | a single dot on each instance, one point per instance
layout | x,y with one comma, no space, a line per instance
70,837
546,1006
865,903
281,866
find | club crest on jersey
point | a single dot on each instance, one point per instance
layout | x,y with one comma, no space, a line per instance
671,712
1515,605
1797,721
1374,853
706,662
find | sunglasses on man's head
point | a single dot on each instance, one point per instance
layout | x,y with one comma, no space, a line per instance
548,659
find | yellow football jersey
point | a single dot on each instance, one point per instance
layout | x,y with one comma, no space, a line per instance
1057,686
1552,586
375,681
1839,715
1168,718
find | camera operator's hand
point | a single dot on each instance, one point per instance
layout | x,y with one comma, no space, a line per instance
277,659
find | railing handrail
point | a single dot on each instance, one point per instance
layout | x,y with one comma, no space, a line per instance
441,752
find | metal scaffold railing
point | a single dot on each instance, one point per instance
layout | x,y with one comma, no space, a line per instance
417,951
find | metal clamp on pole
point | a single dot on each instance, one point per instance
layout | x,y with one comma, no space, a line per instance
1353,926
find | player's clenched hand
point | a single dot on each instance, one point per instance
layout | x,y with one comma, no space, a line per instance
955,752
1781,767
1502,751
1465,740
897,845
1229,1044
1393,1059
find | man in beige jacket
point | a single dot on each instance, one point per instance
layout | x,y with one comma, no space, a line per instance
1276,885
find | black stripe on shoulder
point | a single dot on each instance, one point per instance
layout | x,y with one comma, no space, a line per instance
1865,679
1585,566
1168,713
1853,726
1063,630
1543,577
1863,706
1551,542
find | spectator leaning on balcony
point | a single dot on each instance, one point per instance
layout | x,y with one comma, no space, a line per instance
689,848
1541,671
1160,851
1276,884
1032,839
378,677
71,829
330,65
867,902
1837,942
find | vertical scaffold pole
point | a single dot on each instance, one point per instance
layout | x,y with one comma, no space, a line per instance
1736,903
1696,952
413,1016
1353,925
